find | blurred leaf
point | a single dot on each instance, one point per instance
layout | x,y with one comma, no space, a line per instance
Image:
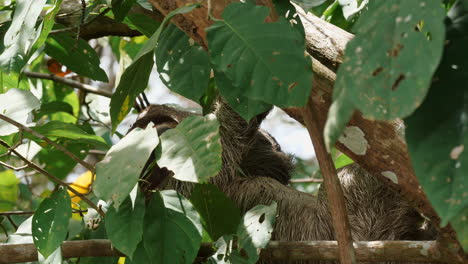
143,23
219,214
436,132
50,222
397,71
183,66
192,150
59,130
265,60
121,8
125,226
8,190
54,107
169,236
58,163
21,35
118,172
16,104
81,58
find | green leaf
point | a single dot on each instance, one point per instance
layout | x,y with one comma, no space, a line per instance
142,23
388,66
125,227
47,25
254,233
135,78
192,150
169,236
183,66
436,132
177,202
21,35
121,8
54,107
16,104
58,163
219,214
118,172
8,190
243,105
265,60
81,58
133,82
59,130
50,222
140,256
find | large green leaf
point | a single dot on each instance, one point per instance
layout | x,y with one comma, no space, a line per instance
21,35
54,107
436,133
60,130
192,150
175,201
8,190
81,58
219,214
142,23
243,105
265,60
169,236
118,172
50,222
125,226
184,67
16,104
133,82
135,78
120,8
388,66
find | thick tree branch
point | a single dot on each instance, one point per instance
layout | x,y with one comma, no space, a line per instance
375,251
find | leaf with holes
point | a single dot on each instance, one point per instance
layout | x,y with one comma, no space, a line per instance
118,172
50,222
183,66
192,150
265,60
388,66
169,236
437,138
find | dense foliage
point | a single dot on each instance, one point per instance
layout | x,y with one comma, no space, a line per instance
407,60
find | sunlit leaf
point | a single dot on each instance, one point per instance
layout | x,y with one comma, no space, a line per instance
8,190
16,104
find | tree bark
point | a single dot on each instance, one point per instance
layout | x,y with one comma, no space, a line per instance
374,251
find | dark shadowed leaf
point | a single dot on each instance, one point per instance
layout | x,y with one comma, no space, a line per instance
50,222
436,133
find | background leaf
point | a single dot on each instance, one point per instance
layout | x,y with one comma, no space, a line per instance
118,172
8,190
50,222
81,59
192,150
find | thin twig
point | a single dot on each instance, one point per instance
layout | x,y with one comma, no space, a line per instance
69,82
11,167
42,137
17,213
53,178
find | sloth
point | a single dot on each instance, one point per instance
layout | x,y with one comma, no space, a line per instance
255,171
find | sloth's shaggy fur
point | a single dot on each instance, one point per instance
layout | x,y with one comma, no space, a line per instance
256,171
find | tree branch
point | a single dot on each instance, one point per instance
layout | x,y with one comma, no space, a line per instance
69,82
52,177
336,201
374,251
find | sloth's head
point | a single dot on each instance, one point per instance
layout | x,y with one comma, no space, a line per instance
163,117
